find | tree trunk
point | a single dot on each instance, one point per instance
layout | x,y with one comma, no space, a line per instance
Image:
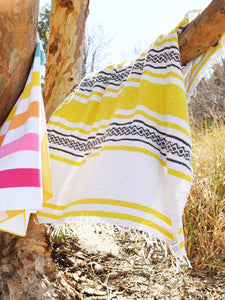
27,270
65,51
24,262
16,49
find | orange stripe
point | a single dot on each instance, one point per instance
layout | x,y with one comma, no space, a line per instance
19,120
2,138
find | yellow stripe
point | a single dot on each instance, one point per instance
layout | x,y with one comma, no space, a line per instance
181,245
197,65
120,116
180,231
133,79
46,170
179,174
11,214
109,215
160,123
114,203
35,81
77,128
168,99
202,62
65,160
125,148
166,40
12,113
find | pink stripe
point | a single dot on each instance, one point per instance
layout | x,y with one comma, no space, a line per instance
20,178
29,141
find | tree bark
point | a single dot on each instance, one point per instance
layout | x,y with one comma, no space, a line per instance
203,32
27,270
16,49
65,51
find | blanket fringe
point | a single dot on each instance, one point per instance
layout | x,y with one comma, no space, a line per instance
81,229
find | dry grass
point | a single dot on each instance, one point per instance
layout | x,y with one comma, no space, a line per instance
204,216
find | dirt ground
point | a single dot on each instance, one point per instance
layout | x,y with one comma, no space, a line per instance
123,266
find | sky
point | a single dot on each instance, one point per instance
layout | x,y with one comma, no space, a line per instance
136,23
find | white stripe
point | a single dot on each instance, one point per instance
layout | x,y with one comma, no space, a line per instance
164,71
35,68
25,103
164,81
29,198
31,126
21,159
14,225
86,100
161,118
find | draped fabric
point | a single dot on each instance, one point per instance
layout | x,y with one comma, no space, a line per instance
25,180
120,145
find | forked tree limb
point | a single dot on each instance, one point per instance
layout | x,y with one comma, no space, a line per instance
203,32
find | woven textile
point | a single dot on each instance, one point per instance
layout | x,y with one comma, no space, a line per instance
120,147
23,155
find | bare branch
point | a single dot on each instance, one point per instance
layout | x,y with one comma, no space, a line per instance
203,32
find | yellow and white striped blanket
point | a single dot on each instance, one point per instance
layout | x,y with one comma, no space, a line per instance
120,147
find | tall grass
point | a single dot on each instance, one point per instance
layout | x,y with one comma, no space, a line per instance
204,215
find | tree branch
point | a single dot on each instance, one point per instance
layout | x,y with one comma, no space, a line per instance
203,32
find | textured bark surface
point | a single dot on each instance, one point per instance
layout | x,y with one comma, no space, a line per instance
18,24
23,263
65,51
203,32
27,270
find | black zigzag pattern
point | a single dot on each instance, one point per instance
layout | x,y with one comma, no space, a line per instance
73,144
120,132
164,57
103,79
153,59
